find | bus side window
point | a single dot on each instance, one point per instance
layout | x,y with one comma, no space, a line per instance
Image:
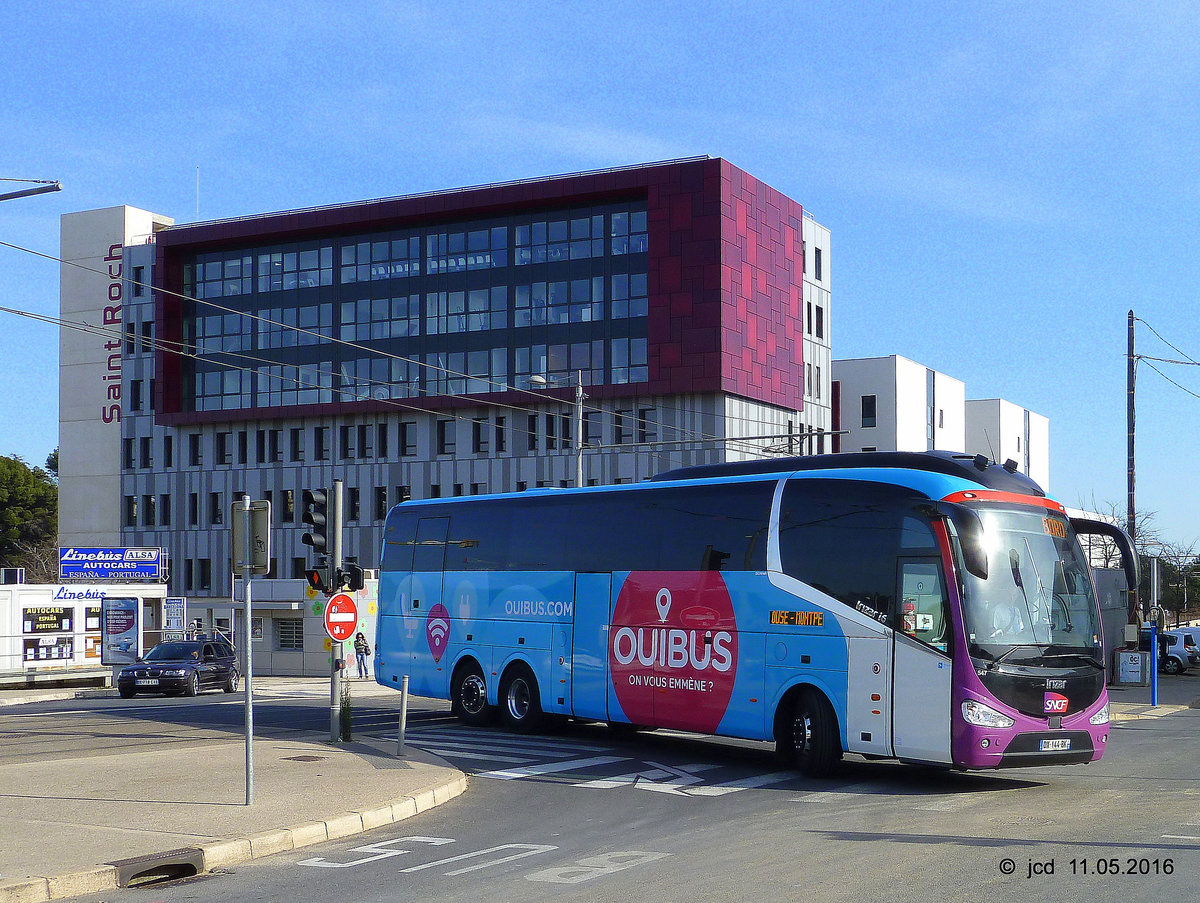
430,552
398,539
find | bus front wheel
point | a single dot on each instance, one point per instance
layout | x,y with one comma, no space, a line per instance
470,696
810,737
520,701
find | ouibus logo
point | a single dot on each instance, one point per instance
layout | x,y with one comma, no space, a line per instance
674,648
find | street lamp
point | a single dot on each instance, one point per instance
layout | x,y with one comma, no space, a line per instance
43,187
540,382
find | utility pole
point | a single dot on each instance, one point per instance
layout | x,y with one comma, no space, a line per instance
579,397
1131,376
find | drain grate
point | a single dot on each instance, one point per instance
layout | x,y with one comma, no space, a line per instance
306,758
171,865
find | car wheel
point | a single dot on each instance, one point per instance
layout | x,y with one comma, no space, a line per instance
812,742
1173,666
469,697
126,692
520,701
193,684
231,682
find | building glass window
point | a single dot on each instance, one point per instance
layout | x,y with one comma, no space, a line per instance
868,414
446,436
419,290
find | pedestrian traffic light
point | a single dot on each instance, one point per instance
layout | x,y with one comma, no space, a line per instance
316,579
314,516
351,576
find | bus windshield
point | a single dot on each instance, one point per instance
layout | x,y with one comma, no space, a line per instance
1037,602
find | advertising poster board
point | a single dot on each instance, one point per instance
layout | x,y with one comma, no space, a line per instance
174,618
47,619
122,634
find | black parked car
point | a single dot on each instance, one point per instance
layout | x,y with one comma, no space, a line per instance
186,666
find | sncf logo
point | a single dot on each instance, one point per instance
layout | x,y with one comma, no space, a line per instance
1056,704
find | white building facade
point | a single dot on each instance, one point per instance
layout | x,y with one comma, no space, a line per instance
896,404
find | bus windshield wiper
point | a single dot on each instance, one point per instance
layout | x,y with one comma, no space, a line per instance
995,662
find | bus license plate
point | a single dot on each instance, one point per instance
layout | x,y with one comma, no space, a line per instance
1064,743
154,683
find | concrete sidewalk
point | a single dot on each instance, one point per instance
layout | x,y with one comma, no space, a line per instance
63,822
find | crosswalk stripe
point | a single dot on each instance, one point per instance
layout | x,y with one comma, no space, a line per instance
463,754
500,737
509,744
551,767
502,749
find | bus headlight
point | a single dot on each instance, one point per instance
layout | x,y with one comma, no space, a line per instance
984,716
1101,717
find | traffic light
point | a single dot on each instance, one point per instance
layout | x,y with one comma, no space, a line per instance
316,579
315,516
352,576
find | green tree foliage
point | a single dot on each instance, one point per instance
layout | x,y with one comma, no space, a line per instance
28,509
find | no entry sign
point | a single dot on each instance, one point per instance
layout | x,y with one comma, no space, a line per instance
341,617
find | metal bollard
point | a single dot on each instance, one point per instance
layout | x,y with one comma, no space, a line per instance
403,715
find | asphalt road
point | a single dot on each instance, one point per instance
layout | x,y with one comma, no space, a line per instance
582,814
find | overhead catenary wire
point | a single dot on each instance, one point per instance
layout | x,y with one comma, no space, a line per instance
193,351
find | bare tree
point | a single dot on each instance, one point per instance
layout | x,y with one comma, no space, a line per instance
1102,552
40,560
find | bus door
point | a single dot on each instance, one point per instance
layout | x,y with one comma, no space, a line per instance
921,663
429,559
588,656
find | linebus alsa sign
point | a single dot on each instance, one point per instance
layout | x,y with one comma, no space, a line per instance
111,564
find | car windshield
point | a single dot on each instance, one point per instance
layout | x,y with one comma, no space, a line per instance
1037,601
173,652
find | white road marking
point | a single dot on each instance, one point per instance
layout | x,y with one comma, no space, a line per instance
552,767
754,781
465,754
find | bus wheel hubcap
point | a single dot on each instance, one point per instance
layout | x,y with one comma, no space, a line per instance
473,694
518,699
802,732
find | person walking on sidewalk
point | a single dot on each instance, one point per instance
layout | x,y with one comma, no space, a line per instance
361,650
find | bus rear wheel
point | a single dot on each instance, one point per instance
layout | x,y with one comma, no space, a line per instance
520,701
810,736
469,701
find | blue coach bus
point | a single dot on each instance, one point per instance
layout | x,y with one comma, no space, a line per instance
928,607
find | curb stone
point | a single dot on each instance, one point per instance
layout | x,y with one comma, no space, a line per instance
237,850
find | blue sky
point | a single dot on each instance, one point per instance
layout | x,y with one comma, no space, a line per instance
1003,182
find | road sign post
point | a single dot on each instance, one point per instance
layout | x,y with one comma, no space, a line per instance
335,567
250,550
